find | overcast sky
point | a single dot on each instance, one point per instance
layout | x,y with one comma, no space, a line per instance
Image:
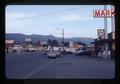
76,20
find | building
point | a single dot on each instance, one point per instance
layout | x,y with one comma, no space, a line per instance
111,37
71,44
8,45
17,48
28,40
90,47
99,44
78,45
44,44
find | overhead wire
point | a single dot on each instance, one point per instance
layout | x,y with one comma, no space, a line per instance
51,13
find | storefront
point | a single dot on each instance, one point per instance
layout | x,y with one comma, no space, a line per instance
8,45
99,44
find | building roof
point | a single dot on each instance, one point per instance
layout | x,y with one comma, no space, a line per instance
90,45
111,38
43,42
103,41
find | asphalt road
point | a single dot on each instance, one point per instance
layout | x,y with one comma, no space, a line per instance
38,66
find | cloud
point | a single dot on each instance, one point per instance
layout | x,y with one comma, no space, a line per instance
75,18
71,17
14,15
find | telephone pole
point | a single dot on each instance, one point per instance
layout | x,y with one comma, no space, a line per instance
113,20
63,39
113,31
106,36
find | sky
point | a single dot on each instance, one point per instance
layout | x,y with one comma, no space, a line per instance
76,20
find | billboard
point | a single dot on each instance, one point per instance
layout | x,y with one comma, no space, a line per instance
9,41
103,13
28,39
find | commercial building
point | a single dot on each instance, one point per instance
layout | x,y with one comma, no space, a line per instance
8,45
90,47
75,45
99,44
44,44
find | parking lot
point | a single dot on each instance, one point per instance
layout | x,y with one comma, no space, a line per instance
34,65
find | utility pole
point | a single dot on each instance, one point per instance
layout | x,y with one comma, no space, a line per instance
113,20
113,31
63,39
106,36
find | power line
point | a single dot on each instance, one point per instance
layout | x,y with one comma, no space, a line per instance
45,14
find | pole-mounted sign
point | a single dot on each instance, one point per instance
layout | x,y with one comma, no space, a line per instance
103,13
101,34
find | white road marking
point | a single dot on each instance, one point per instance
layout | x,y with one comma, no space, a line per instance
27,76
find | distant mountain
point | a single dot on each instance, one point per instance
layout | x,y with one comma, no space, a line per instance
15,36
85,40
35,38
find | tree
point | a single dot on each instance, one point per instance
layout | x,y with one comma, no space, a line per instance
79,42
54,43
38,43
66,44
49,42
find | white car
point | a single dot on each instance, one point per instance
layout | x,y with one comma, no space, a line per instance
53,54
78,51
70,50
30,49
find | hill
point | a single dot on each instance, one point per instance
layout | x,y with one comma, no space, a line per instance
35,38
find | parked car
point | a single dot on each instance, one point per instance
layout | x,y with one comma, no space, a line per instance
44,52
69,50
84,53
78,52
65,52
53,54
30,50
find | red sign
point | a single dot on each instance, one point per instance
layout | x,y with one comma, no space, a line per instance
103,13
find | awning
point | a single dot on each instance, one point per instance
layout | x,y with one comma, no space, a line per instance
104,41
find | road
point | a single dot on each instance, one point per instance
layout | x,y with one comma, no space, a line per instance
37,66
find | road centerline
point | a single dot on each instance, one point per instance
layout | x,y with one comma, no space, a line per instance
40,68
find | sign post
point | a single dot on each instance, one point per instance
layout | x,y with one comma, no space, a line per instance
113,31
106,36
101,34
105,14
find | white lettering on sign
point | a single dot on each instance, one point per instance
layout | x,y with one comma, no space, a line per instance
103,13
